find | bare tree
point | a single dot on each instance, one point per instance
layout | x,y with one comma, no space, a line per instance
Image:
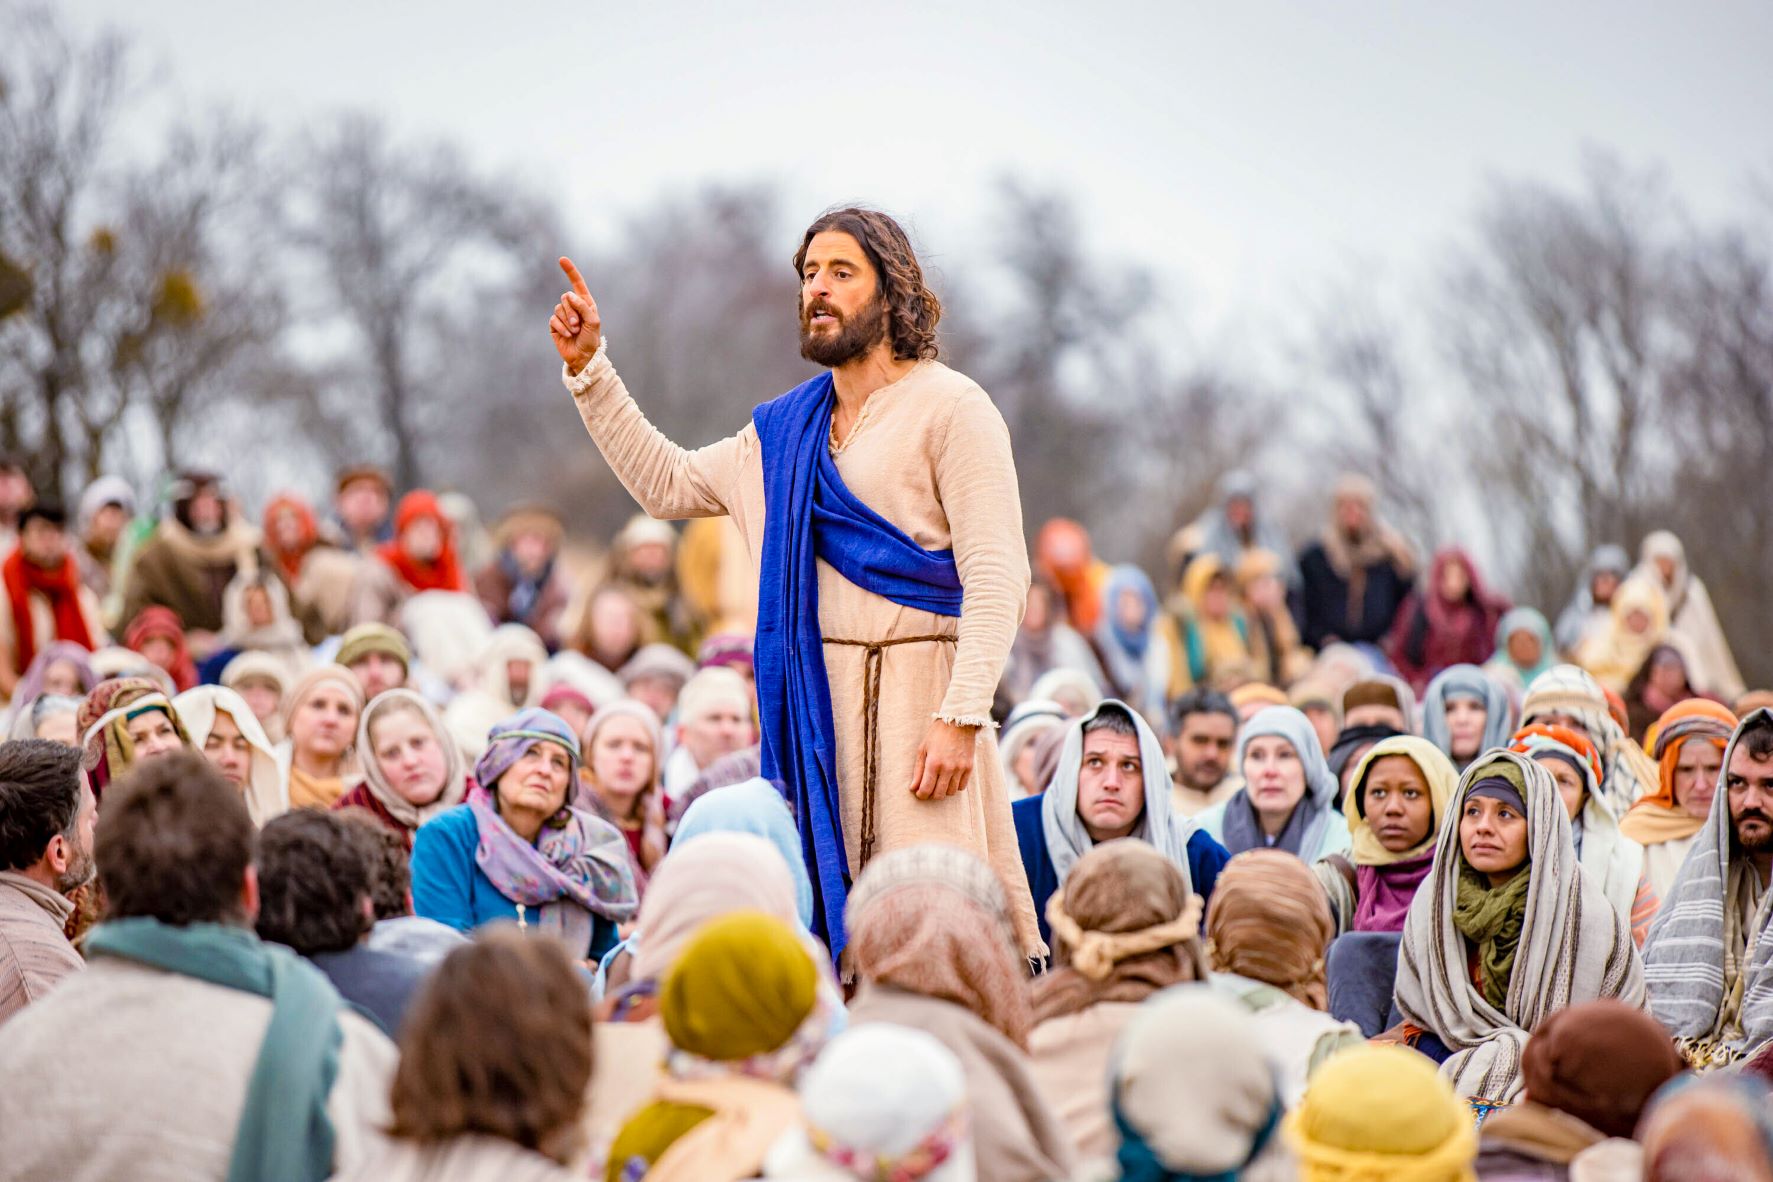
57,101
1373,413
386,238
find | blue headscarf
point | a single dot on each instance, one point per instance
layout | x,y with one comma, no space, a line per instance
1466,681
1122,579
754,806
508,741
1526,619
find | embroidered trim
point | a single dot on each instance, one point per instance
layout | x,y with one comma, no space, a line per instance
936,1147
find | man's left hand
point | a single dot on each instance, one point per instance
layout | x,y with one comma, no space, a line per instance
944,761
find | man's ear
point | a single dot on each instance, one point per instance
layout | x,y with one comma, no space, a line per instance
56,855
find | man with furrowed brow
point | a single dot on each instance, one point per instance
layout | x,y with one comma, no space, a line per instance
879,503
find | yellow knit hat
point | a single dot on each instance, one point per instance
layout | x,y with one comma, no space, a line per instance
1382,1114
741,986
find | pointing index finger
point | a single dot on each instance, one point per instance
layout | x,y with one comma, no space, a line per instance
572,273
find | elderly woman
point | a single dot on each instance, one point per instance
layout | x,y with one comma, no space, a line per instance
488,1090
934,946
1689,752
1125,925
321,721
1465,713
222,726
1612,860
1195,1095
1267,939
719,874
517,850
1506,930
746,1010
123,722
412,770
1288,798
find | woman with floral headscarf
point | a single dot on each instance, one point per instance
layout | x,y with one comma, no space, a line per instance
123,722
518,850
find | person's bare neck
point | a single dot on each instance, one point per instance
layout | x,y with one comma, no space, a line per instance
856,380
1763,864
526,823
315,766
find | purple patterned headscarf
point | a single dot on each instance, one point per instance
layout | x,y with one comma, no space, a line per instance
578,866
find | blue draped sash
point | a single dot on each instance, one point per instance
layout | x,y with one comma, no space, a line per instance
809,514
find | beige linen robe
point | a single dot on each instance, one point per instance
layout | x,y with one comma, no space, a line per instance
34,955
137,1075
931,454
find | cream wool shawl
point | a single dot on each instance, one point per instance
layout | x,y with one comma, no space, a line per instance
1687,964
1574,946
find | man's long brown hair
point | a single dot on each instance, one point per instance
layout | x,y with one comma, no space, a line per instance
912,308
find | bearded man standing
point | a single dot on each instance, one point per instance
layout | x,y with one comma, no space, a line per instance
892,567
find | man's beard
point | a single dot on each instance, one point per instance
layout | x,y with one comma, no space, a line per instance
1762,843
854,336
1192,777
79,872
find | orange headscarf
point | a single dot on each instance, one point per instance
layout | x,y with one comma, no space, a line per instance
1658,817
1575,740
1063,553
289,562
443,573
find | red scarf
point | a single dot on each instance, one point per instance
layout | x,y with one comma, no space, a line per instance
163,622
443,573
289,562
61,586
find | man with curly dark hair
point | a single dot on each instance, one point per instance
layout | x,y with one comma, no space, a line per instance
317,880
892,570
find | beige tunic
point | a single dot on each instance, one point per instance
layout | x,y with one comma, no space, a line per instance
931,454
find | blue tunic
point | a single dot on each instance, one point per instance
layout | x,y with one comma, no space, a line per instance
1206,858
449,886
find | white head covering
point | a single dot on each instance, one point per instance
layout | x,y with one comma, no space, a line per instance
1026,722
1055,685
879,1097
710,689
455,767
1068,840
1191,1080
267,790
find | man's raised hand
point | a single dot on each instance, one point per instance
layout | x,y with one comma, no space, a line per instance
576,328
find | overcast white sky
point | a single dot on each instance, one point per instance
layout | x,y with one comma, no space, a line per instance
1253,150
